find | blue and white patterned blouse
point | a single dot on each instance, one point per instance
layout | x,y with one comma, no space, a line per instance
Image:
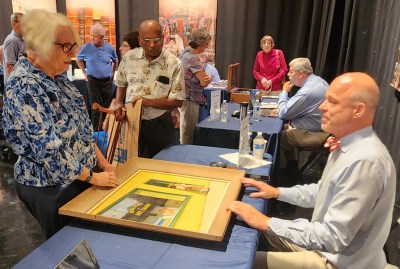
46,122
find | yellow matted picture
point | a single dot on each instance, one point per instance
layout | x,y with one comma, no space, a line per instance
175,198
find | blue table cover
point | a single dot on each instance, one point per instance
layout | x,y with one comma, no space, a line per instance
120,247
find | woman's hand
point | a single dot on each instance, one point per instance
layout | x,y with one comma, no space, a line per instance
266,83
104,179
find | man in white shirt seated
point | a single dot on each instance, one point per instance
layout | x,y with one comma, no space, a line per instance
352,202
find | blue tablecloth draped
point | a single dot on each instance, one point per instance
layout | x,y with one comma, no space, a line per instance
120,247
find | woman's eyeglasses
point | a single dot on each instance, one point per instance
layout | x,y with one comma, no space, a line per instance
67,47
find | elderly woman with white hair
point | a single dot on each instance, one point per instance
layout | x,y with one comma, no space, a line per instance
195,81
46,122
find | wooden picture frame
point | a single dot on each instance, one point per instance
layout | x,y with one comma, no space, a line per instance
224,187
233,77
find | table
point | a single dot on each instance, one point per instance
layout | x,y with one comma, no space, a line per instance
120,247
226,134
205,155
204,111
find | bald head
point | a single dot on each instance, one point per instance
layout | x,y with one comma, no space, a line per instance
360,88
350,104
151,39
150,25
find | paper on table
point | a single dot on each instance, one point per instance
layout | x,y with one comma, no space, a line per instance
252,163
270,105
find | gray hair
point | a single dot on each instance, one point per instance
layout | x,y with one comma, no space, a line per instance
199,38
98,28
302,64
15,17
42,41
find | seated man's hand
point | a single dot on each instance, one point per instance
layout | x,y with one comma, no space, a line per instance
264,190
250,215
287,86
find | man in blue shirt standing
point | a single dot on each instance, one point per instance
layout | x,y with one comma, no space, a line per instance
301,110
101,64
13,45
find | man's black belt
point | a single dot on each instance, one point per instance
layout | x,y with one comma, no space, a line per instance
99,79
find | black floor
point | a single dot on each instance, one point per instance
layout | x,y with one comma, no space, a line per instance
20,234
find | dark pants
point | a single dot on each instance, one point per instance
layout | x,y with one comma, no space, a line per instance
44,202
155,135
100,91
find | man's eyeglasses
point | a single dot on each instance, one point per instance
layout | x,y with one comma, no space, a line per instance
67,47
156,41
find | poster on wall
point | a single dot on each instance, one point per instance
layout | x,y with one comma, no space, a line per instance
179,20
85,13
24,6
396,73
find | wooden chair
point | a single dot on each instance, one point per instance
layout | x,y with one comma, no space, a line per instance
233,77
118,140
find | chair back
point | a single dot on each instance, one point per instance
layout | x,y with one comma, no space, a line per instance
118,140
233,77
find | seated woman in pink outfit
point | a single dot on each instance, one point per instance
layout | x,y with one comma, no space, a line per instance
269,67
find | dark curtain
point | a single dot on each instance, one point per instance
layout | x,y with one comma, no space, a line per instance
333,34
5,25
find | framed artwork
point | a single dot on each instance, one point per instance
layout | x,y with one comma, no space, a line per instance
168,197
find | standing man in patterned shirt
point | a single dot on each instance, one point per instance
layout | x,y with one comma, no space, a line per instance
195,79
101,64
13,45
155,76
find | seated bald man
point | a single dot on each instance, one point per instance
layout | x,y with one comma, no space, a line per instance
352,202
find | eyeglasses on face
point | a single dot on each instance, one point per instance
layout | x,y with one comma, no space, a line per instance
125,45
156,41
67,47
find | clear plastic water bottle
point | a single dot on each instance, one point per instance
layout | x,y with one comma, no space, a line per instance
259,144
224,111
256,110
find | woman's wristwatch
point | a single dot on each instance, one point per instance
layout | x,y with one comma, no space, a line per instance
89,177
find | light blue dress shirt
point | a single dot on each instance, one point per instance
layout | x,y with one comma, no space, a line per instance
302,109
352,204
213,72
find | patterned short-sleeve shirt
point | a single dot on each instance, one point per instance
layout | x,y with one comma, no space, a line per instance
191,65
46,122
160,78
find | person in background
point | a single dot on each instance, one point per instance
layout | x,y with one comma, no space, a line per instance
129,41
1,71
195,81
101,63
13,45
154,76
353,200
46,123
269,67
210,69
304,129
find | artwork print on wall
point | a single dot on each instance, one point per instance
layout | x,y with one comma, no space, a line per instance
85,13
24,6
396,73
179,19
